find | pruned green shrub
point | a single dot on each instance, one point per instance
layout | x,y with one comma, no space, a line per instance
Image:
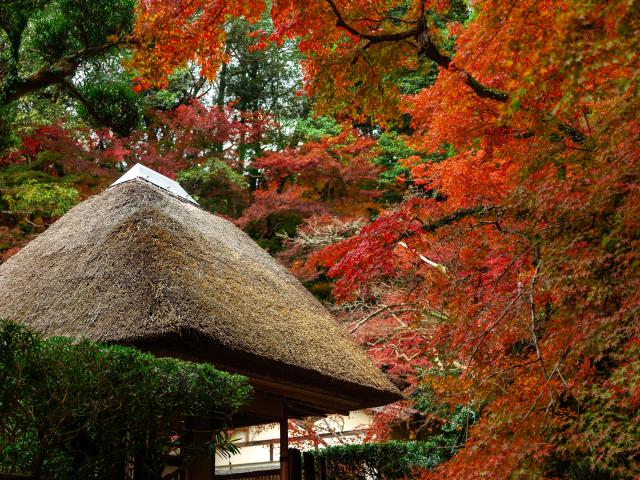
397,459
74,409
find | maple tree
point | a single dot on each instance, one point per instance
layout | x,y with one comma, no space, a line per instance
520,318
187,136
334,172
515,264
479,223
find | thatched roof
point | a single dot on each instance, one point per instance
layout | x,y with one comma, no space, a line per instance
138,265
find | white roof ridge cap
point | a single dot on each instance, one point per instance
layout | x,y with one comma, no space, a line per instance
139,171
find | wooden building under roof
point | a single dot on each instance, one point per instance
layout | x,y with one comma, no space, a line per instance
142,264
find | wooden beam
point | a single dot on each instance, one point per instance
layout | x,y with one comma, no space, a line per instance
269,405
323,468
265,405
309,392
304,395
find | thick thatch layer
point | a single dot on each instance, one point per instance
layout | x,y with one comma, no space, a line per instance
137,265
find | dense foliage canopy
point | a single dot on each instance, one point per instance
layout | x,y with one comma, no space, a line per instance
458,180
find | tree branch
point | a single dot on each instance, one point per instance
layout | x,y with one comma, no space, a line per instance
532,315
388,37
456,216
49,74
357,324
438,266
428,49
77,94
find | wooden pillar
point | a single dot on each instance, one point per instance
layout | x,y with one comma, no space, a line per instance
284,443
203,468
309,462
323,468
295,464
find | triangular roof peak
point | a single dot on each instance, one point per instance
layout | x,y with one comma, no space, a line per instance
157,179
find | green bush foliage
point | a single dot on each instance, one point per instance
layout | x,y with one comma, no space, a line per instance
392,459
77,409
216,186
397,459
37,199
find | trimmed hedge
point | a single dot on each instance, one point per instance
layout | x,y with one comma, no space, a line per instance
78,409
397,459
390,460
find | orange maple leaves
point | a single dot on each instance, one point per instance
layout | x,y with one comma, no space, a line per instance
533,212
168,34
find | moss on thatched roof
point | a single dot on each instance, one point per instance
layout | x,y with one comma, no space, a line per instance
137,265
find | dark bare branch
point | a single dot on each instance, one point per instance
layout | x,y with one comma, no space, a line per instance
388,37
77,94
480,212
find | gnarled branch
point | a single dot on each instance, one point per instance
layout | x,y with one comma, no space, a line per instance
428,49
49,74
388,37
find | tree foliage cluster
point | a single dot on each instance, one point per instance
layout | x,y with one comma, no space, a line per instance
80,409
